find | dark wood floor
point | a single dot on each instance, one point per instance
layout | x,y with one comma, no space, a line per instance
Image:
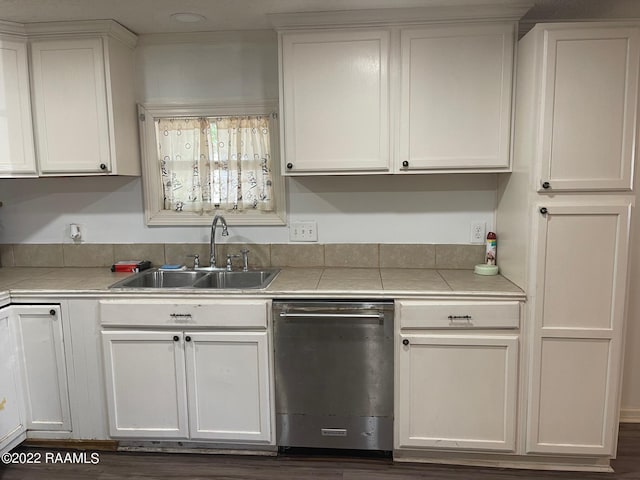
146,466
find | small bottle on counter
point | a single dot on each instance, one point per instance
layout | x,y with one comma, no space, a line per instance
492,243
489,266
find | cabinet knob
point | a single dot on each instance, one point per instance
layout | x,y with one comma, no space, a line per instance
52,312
289,166
546,185
405,342
187,338
103,166
543,210
176,338
405,164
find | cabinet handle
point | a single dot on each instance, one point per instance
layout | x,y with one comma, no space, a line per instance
405,342
543,210
546,185
176,338
405,164
103,166
52,312
289,166
187,338
459,317
180,316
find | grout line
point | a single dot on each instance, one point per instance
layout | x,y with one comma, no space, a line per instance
444,279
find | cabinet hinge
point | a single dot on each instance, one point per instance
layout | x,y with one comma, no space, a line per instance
142,117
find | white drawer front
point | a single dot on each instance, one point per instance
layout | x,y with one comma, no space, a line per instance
458,314
170,313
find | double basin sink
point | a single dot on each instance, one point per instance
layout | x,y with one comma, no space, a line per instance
219,279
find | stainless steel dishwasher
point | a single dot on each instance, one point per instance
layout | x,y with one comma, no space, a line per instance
334,374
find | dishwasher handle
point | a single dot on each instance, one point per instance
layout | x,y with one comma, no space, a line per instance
363,316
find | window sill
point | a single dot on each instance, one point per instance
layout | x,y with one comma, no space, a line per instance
246,218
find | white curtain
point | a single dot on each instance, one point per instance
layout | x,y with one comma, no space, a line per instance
221,163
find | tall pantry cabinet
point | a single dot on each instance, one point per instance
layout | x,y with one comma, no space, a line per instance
563,217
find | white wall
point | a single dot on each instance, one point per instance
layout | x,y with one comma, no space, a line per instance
416,209
222,68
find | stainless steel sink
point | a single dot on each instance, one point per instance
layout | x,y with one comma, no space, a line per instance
198,279
224,279
160,279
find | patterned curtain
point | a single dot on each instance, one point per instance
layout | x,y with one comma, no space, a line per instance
182,148
210,164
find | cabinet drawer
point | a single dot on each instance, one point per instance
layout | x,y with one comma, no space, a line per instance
458,314
159,313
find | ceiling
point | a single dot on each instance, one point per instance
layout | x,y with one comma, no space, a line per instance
154,16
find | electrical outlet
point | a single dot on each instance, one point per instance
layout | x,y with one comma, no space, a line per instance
303,232
478,232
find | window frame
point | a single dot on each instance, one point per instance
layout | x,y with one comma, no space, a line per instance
154,212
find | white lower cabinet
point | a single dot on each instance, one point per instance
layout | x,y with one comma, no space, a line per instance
12,424
44,372
196,383
457,380
228,386
146,384
578,314
458,391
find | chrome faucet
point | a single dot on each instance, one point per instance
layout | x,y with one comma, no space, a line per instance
212,243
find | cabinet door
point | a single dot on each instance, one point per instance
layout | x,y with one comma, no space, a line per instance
44,371
589,107
457,391
70,99
228,382
578,309
17,155
335,96
456,96
146,389
12,425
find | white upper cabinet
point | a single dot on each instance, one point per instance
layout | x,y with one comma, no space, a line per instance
589,85
456,86
335,99
395,93
71,105
17,155
82,97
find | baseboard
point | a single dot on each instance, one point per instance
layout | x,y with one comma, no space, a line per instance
103,445
486,459
630,415
189,446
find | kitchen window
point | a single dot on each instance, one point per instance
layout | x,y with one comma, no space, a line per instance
199,161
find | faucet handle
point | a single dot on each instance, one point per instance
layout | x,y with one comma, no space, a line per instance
229,261
196,260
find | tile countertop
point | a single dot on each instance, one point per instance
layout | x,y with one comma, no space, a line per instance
290,282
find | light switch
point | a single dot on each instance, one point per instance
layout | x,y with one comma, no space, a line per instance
306,231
